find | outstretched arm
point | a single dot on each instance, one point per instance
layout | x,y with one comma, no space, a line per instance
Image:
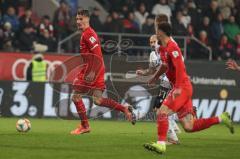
162,69
146,72
232,64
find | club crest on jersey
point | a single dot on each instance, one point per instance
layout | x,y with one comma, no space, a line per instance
92,39
175,54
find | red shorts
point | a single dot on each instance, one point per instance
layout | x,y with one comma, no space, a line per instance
81,85
182,104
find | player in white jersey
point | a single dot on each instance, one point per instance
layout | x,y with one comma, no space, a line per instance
165,87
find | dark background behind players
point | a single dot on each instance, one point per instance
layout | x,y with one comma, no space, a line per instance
188,19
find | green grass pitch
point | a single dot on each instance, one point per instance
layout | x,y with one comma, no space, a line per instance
50,139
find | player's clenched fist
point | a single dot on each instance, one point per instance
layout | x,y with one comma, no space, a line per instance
140,72
152,81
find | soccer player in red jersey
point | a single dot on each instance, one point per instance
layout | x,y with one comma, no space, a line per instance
179,99
90,81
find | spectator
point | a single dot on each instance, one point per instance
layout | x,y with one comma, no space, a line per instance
124,12
8,37
226,7
95,22
203,38
190,30
194,14
178,26
48,40
186,19
205,25
213,11
141,14
108,25
237,46
1,17
130,25
62,19
37,69
46,25
148,26
131,4
117,23
26,38
162,8
231,29
172,4
12,18
1,37
195,50
26,19
8,46
203,5
225,49
217,29
237,16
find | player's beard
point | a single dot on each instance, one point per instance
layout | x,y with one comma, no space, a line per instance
153,48
159,42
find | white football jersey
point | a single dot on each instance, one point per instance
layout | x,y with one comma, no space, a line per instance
155,61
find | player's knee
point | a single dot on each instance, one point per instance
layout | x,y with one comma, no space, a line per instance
163,111
76,97
161,115
97,100
187,122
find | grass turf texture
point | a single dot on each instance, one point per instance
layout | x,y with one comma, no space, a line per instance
50,138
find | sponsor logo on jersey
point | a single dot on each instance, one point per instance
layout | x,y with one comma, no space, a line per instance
92,39
175,54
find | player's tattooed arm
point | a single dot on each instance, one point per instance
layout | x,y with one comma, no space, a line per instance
232,64
146,72
162,69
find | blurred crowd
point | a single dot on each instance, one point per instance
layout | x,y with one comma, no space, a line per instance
215,23
22,30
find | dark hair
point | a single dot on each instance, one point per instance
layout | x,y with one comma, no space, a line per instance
161,18
28,25
83,12
46,17
63,1
165,27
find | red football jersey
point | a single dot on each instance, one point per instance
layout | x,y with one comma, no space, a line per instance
172,56
90,49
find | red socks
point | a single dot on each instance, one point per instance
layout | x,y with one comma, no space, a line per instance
201,124
81,110
106,102
162,126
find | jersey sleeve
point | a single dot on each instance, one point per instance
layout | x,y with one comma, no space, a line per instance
177,60
91,41
95,62
163,58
